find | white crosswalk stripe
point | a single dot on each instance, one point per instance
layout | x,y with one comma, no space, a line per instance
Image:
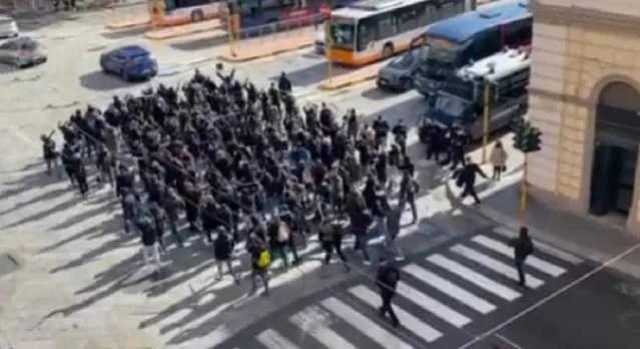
315,322
450,289
548,249
532,261
473,277
366,326
495,265
432,306
274,340
408,321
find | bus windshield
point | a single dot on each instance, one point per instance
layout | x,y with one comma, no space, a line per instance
451,106
342,34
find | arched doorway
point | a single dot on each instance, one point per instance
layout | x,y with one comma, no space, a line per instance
617,136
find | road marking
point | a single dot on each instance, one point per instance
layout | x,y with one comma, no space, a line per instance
274,340
495,265
533,261
450,289
473,277
364,325
315,322
552,296
433,306
546,248
508,341
410,322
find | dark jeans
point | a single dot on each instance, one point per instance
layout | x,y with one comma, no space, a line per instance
387,308
329,246
361,244
519,264
469,189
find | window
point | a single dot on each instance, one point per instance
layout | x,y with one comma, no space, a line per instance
367,32
518,33
342,35
387,25
428,15
407,18
485,44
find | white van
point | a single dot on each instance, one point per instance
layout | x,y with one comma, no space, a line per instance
8,27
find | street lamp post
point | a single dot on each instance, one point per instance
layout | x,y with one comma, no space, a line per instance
485,122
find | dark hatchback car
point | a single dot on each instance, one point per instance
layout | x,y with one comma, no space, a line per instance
130,63
398,74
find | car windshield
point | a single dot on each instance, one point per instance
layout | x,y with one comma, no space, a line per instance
342,34
405,61
451,106
29,46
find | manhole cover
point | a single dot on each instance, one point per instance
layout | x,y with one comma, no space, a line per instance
8,264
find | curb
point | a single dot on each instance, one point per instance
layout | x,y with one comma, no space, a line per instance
331,87
230,59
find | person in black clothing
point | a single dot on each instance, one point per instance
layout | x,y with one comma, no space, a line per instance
330,235
381,129
466,178
81,174
284,85
159,223
124,180
49,152
409,187
387,280
223,250
400,136
458,142
522,248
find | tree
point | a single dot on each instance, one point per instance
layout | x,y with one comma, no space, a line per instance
526,138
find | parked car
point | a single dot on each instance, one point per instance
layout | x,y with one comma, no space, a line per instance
22,52
398,74
130,63
8,27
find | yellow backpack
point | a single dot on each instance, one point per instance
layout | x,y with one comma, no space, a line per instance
264,259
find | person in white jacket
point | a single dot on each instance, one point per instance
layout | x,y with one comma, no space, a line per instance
498,159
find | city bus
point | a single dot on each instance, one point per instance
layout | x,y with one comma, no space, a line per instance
470,37
256,13
176,12
371,30
461,98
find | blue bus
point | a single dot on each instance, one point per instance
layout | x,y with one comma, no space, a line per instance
467,38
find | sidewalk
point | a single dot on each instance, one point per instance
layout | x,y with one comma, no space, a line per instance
584,236
250,49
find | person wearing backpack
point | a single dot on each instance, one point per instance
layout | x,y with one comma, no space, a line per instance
223,250
260,262
387,280
522,247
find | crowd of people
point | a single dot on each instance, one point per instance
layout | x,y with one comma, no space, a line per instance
244,164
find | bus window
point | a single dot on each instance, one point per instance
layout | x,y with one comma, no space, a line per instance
367,32
387,26
428,15
485,44
342,35
518,33
407,19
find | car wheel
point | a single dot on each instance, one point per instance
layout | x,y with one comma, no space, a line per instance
387,51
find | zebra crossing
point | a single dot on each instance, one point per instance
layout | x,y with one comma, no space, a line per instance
440,294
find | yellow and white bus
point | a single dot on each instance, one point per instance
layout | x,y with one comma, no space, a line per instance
371,30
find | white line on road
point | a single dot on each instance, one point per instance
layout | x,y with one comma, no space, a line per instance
364,325
274,340
494,265
315,322
450,289
533,261
475,278
433,306
508,341
552,296
410,322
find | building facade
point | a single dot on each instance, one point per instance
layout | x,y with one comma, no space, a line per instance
585,97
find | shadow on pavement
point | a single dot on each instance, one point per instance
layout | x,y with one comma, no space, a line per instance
377,94
120,34
312,75
99,81
201,43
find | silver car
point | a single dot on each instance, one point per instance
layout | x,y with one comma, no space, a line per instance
8,27
22,52
398,73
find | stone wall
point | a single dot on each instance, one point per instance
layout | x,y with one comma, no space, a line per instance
573,59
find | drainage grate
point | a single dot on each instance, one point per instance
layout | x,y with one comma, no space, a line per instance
8,264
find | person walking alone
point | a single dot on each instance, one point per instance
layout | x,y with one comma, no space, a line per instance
387,280
522,248
466,178
498,159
